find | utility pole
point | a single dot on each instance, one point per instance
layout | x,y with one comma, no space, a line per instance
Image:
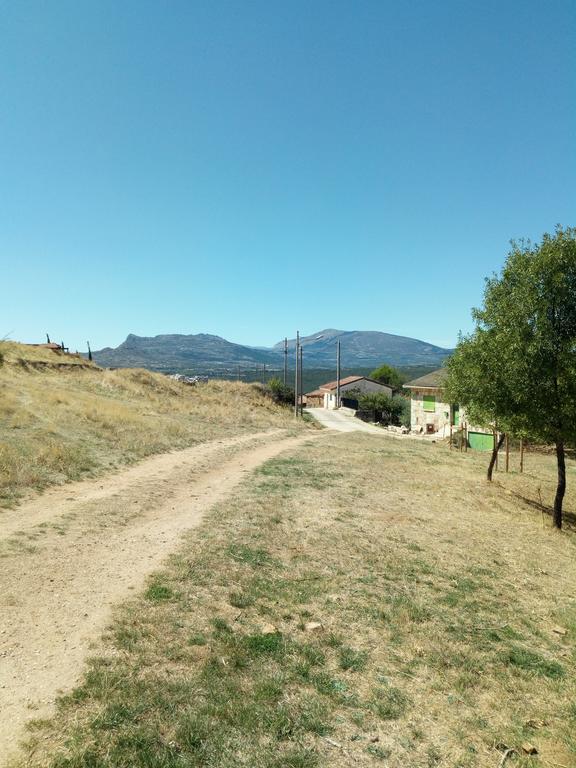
297,379
338,374
300,388
285,360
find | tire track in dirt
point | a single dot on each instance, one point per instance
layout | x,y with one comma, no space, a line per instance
55,601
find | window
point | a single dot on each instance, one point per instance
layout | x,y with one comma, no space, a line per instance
429,402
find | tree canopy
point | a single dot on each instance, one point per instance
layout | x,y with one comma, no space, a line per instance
517,370
387,374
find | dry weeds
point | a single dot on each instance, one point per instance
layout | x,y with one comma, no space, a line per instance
447,624
64,421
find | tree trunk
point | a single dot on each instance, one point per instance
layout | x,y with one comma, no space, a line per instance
561,487
497,446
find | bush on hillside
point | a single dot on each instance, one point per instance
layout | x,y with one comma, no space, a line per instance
281,393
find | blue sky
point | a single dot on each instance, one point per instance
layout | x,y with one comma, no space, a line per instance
247,168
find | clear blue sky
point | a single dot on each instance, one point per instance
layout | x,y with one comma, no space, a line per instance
250,167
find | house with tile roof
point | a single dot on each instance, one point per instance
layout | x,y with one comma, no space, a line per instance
325,395
428,411
431,414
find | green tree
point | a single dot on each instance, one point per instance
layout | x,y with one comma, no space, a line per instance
518,368
477,380
388,375
390,408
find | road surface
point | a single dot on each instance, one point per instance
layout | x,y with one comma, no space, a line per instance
343,420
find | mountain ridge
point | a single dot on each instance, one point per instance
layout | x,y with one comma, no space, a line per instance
205,351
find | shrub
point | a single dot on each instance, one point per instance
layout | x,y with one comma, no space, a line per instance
391,409
280,392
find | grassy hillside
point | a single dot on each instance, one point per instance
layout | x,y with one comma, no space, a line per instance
360,601
62,418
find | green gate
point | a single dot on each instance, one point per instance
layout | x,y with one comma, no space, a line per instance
456,415
481,441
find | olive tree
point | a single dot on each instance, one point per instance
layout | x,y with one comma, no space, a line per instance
518,368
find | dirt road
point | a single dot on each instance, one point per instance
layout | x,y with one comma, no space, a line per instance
68,556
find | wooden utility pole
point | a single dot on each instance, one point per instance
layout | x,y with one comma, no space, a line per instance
300,387
465,437
338,374
285,361
507,452
296,378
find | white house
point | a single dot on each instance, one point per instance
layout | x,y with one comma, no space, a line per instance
325,395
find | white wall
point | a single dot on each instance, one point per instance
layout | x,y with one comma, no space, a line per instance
363,386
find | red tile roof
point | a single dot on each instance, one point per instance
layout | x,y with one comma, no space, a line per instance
331,385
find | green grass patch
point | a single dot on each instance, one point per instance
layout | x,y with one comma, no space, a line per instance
158,592
535,663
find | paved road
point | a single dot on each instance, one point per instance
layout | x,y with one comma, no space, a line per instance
343,421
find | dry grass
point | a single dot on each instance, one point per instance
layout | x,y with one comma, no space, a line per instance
28,356
64,421
438,599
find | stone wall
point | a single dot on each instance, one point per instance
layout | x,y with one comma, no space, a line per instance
440,417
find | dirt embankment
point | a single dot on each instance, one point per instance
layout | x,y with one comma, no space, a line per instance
63,419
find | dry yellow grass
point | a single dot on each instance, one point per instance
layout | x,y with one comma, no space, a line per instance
447,625
62,418
29,356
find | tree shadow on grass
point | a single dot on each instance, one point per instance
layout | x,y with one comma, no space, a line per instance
568,518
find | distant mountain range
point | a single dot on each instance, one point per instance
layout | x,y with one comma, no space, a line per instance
204,352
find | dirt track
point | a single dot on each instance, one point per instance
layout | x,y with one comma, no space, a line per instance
68,556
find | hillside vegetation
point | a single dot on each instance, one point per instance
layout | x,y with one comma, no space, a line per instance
63,418
358,601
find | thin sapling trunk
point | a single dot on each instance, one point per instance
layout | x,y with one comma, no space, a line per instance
561,487
497,445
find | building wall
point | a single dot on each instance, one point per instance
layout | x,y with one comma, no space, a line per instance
439,417
362,386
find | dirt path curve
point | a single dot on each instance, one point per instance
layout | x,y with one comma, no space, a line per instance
73,553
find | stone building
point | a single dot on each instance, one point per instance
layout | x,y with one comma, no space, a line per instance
429,412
